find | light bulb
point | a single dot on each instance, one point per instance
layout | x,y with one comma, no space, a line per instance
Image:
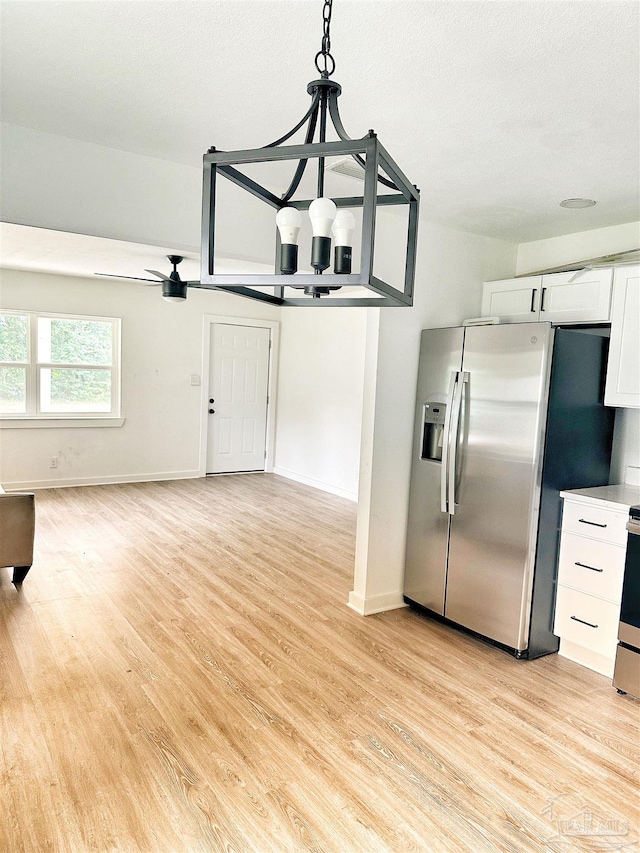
288,222
178,300
343,227
322,212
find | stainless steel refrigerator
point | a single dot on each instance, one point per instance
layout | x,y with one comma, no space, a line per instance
506,417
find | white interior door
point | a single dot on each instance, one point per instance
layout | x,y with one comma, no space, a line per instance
238,383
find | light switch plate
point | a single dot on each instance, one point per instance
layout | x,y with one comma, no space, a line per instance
195,379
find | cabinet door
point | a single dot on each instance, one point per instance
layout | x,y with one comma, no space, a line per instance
623,370
514,300
584,297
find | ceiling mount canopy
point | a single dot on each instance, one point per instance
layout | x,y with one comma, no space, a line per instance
349,221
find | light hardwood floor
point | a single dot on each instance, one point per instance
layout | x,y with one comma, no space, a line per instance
180,673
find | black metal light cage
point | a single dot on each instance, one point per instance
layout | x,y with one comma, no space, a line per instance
324,94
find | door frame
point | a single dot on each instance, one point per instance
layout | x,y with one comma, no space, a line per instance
208,320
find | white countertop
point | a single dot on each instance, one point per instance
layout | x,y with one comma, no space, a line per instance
619,497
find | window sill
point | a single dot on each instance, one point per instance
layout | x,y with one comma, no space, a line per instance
59,423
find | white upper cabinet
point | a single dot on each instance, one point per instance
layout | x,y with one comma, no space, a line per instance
623,369
513,300
566,297
585,297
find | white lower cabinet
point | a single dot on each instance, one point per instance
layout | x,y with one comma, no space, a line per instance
595,522
588,622
593,567
590,572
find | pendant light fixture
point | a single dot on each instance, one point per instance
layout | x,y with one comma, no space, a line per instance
330,220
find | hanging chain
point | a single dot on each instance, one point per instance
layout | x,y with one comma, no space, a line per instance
325,63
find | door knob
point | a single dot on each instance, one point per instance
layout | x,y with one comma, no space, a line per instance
212,411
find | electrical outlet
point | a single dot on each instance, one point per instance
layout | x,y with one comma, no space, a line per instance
53,462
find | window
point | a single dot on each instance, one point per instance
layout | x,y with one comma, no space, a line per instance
59,366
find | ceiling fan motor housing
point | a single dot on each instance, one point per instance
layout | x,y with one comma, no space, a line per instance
174,289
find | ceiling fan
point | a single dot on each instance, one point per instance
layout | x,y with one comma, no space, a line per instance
174,289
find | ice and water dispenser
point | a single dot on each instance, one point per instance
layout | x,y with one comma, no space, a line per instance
433,430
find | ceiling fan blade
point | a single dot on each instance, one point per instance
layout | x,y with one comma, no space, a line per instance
132,277
159,274
153,283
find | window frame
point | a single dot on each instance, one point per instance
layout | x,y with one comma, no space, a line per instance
33,369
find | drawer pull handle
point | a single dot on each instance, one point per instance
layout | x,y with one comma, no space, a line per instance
590,624
592,523
591,568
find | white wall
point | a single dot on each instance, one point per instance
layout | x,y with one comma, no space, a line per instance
322,437
333,362
161,348
558,251
451,268
54,182
65,184
51,181
320,397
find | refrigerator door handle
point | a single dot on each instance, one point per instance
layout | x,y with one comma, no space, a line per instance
463,377
446,440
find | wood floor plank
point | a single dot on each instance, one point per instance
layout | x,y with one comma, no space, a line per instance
180,674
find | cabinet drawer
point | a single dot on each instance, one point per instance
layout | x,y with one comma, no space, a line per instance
587,621
591,566
587,520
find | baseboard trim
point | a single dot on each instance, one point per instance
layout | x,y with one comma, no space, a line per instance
375,604
63,483
316,484
585,657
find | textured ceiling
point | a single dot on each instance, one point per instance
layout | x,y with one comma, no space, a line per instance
496,110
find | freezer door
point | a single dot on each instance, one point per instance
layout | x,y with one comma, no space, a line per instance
493,533
428,525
